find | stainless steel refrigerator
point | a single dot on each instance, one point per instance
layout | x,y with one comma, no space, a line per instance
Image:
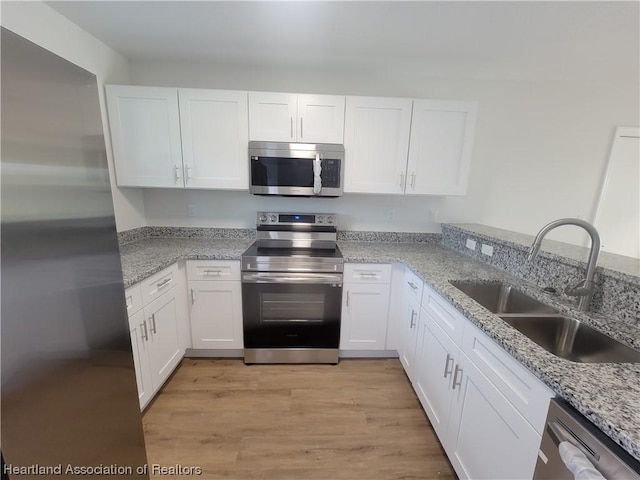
69,401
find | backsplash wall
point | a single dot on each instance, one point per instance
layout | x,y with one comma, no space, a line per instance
617,294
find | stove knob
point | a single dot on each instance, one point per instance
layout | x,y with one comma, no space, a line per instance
329,219
262,219
320,219
273,218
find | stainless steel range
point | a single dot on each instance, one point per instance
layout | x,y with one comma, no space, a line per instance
292,290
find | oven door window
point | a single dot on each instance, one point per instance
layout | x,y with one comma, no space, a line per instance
291,315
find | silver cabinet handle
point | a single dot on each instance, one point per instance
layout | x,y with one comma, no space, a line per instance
413,180
212,272
188,173
152,321
457,382
368,274
145,335
193,296
401,180
347,298
301,135
292,127
413,316
176,168
163,283
413,285
448,371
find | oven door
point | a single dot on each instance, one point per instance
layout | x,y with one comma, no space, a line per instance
291,310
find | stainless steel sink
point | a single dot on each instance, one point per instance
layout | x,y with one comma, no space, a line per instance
562,336
572,340
500,298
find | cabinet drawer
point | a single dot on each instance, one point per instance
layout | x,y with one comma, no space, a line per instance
449,319
525,392
413,285
367,273
213,270
133,299
159,283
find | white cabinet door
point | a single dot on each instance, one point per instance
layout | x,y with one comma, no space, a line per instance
139,329
409,331
376,142
487,437
216,314
320,118
145,132
436,355
364,316
272,116
289,117
440,148
215,133
164,346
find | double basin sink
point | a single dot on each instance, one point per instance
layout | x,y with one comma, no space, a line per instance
560,335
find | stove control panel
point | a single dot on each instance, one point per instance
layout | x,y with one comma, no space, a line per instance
274,218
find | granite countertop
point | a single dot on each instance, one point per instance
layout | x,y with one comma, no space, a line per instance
607,394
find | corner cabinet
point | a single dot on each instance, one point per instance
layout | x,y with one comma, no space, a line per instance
440,149
365,306
178,138
410,313
291,117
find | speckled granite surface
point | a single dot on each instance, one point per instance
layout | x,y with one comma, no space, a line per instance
617,292
607,394
143,258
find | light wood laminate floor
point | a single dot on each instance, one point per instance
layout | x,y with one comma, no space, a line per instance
357,420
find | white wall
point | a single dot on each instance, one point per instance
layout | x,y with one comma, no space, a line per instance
540,149
38,23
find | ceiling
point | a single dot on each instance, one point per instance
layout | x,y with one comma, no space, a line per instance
596,42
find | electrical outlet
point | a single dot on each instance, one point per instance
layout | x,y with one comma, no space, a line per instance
390,214
487,249
433,214
471,244
191,210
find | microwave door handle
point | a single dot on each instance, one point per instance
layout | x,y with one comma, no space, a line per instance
317,179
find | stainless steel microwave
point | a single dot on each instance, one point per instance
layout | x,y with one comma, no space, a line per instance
296,169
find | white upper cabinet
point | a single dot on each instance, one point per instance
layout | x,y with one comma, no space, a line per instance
145,131
176,138
376,142
440,147
290,117
215,135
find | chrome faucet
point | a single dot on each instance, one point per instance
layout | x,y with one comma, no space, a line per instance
584,288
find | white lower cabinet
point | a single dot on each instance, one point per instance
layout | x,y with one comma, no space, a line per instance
437,355
155,326
365,306
140,344
164,337
410,315
486,408
487,437
216,304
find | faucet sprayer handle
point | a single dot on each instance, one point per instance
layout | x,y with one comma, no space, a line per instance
580,289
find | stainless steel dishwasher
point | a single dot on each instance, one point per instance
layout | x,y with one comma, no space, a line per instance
564,423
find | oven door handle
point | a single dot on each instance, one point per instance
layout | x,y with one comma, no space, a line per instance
306,278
